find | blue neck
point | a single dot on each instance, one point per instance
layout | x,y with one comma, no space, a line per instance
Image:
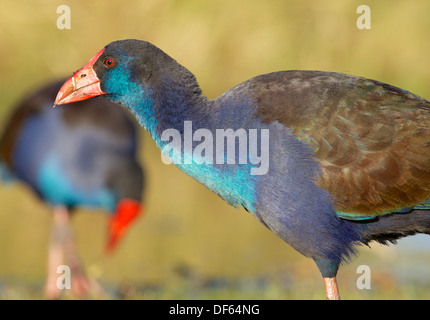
169,109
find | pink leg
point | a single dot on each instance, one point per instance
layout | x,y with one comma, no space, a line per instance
331,290
62,250
59,232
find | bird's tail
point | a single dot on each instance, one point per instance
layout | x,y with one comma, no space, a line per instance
6,175
391,227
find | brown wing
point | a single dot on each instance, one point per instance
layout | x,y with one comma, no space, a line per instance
371,139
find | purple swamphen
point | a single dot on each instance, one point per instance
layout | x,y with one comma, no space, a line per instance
80,156
348,157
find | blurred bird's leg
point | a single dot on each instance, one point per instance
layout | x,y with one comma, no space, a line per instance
81,284
331,290
60,231
62,251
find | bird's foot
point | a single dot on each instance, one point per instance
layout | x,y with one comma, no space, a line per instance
84,287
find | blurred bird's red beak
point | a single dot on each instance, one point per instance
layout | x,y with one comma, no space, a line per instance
126,212
82,85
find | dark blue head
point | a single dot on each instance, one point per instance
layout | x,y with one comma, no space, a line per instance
135,74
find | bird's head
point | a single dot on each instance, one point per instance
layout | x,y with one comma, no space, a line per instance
127,211
123,70
127,181
135,74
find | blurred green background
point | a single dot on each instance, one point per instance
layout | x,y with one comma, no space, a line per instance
190,244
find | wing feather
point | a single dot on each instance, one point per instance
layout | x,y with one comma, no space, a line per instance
371,139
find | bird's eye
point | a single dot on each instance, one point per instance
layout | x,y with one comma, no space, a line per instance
109,62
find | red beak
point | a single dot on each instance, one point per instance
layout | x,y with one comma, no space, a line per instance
82,85
126,212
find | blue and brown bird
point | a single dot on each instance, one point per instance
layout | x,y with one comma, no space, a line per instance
83,156
347,158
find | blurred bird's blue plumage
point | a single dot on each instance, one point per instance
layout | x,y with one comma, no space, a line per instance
70,157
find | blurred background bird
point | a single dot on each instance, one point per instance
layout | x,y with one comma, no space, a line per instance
83,156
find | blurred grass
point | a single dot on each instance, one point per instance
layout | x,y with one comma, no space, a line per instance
191,244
